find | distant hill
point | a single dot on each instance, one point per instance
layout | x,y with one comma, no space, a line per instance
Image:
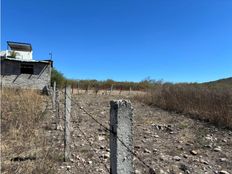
227,82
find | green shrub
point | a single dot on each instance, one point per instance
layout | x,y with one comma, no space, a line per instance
58,77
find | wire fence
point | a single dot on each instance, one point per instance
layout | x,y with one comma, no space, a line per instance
75,119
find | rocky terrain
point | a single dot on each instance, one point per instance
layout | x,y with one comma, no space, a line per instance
168,142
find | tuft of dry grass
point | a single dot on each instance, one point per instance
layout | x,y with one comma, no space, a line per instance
23,144
201,102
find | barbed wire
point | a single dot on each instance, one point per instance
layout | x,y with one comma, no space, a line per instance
69,129
81,162
151,170
86,138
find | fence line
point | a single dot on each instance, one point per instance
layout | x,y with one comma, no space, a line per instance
110,130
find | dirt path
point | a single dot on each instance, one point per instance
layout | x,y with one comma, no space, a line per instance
168,142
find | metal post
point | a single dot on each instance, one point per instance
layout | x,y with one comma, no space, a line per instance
121,137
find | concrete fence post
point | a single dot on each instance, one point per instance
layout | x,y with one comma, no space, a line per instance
111,89
57,109
121,123
67,126
54,96
72,88
78,87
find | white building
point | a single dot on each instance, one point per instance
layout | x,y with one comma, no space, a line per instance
17,50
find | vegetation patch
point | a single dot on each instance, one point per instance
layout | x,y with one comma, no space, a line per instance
201,101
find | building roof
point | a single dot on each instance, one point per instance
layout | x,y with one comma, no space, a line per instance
29,61
19,46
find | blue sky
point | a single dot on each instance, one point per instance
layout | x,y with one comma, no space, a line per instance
177,41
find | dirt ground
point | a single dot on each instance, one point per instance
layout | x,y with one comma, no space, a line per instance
168,142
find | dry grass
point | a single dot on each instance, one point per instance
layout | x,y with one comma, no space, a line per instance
209,104
23,144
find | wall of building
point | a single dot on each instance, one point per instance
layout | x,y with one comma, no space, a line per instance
11,75
23,55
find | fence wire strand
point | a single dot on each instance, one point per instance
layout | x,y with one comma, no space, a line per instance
151,170
86,139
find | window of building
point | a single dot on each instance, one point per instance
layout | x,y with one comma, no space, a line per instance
27,69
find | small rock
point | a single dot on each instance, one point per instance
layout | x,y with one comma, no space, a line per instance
137,172
208,146
217,149
223,159
146,151
106,156
204,162
100,170
177,158
162,158
155,150
83,160
193,152
162,172
100,138
223,172
102,147
90,162
144,141
188,144
68,167
148,132
208,137
156,136
59,127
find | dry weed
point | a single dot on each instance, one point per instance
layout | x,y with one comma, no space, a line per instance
209,104
23,144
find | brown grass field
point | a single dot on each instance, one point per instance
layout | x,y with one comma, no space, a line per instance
30,144
209,104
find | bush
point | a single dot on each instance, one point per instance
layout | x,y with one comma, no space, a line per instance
58,77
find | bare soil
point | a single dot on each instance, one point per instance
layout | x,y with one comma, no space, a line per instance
168,142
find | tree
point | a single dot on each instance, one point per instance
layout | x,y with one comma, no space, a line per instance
58,77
